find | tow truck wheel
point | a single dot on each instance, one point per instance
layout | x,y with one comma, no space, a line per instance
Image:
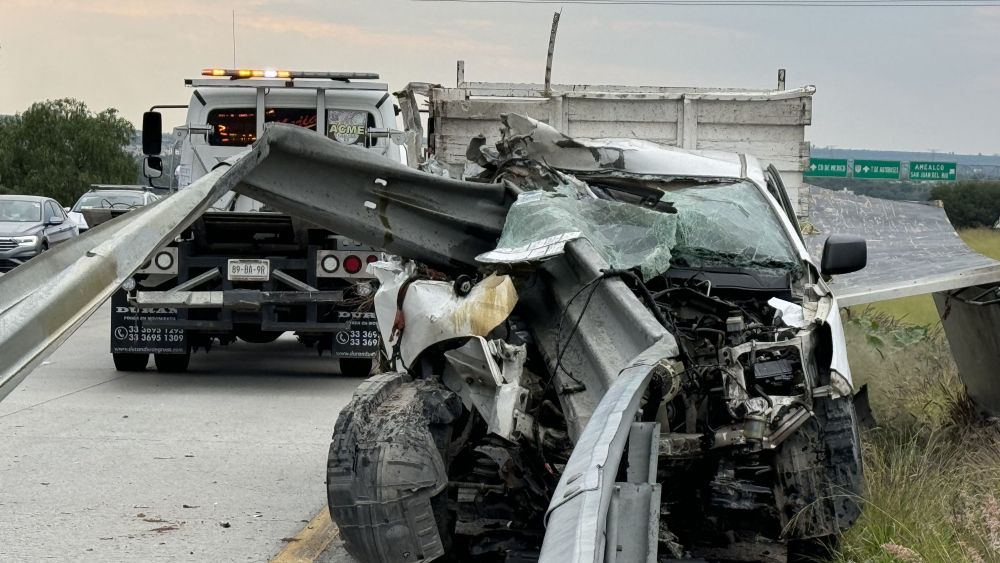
172,363
130,362
355,367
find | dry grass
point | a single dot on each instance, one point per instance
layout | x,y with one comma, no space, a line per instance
932,468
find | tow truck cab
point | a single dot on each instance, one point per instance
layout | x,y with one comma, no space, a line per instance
243,270
226,115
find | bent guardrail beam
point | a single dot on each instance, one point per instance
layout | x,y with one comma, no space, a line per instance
440,221
43,301
348,190
577,526
443,222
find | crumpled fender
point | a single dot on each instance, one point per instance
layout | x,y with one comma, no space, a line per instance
433,312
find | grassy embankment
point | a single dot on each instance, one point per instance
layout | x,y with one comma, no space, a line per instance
932,468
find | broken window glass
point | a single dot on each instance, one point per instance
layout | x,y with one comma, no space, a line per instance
729,225
540,222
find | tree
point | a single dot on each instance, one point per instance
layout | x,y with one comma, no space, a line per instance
58,148
970,204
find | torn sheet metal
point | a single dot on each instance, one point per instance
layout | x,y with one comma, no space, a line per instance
431,310
486,375
529,138
535,250
912,248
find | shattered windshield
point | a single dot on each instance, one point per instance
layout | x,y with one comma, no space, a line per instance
626,235
729,225
707,226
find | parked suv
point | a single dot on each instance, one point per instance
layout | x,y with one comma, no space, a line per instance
30,225
110,197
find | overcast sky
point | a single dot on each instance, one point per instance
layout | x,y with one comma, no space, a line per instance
886,78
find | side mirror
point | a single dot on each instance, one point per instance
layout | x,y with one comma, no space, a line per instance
152,133
55,221
843,254
152,166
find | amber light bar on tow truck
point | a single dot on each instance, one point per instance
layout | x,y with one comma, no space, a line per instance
235,73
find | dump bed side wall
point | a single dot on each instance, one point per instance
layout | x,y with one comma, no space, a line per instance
769,125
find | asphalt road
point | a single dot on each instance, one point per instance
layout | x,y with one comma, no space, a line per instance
217,464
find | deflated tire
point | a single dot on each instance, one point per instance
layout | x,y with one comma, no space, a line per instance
387,472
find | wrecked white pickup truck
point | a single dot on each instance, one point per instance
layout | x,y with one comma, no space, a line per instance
598,351
647,366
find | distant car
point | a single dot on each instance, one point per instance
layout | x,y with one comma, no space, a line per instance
110,197
30,225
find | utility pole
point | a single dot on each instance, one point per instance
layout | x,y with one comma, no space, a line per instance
552,48
234,38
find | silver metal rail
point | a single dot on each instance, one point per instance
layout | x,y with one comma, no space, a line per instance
43,301
436,220
349,190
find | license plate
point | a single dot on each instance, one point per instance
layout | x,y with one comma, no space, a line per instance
249,270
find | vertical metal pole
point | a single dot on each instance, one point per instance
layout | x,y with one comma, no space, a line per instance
260,112
552,48
321,111
611,536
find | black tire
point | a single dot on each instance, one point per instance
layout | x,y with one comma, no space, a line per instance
355,367
820,480
130,362
844,465
387,475
172,363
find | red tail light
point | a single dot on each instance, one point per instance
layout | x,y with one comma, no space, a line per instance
352,264
372,258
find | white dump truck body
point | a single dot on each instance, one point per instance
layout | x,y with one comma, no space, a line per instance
769,124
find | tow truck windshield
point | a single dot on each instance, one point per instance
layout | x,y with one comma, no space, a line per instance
237,127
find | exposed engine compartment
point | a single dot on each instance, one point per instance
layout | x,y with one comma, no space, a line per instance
741,387
663,390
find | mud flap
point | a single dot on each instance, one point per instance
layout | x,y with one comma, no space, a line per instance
863,409
130,335
386,469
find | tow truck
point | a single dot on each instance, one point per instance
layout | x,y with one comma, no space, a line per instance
242,270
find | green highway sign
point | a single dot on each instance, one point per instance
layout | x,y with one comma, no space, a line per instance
877,169
826,167
938,171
